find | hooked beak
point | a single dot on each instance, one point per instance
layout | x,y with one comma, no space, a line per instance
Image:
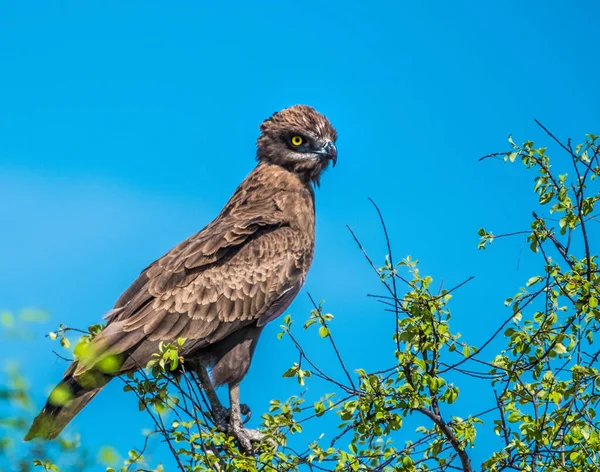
329,151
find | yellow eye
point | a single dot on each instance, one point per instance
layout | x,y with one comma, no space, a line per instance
297,140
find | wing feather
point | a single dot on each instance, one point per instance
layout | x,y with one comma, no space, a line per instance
230,274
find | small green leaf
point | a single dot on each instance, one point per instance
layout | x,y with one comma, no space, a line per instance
107,455
534,280
7,319
560,348
60,395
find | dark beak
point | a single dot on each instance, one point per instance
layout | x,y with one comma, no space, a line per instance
329,151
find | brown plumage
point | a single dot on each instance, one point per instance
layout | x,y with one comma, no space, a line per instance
220,287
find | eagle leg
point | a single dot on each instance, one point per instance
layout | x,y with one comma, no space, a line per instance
219,413
236,426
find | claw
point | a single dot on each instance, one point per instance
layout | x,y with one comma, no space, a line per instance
245,410
221,418
246,437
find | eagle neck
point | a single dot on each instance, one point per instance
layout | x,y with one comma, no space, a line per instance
291,195
283,179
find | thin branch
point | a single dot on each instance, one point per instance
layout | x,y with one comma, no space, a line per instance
330,336
494,154
394,287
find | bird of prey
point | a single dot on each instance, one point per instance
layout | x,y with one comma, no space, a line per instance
219,288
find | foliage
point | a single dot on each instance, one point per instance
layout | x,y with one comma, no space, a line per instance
539,368
547,378
17,406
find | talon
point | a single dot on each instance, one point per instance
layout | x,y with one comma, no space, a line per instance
221,417
245,410
246,437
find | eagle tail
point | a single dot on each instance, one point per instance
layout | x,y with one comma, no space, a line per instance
66,400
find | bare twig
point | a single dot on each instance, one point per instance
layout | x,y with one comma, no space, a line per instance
394,287
330,336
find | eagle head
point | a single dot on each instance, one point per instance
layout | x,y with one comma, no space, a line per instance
300,139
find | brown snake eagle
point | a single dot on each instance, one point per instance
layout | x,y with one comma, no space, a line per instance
219,288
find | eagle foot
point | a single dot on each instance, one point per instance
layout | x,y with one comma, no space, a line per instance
246,437
221,416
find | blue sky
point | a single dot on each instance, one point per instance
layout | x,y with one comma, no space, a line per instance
124,128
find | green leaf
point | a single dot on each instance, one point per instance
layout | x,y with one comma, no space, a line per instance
110,364
33,315
560,348
534,280
7,319
107,455
60,395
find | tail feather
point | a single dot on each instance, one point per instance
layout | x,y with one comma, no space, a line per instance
84,379
53,419
66,400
